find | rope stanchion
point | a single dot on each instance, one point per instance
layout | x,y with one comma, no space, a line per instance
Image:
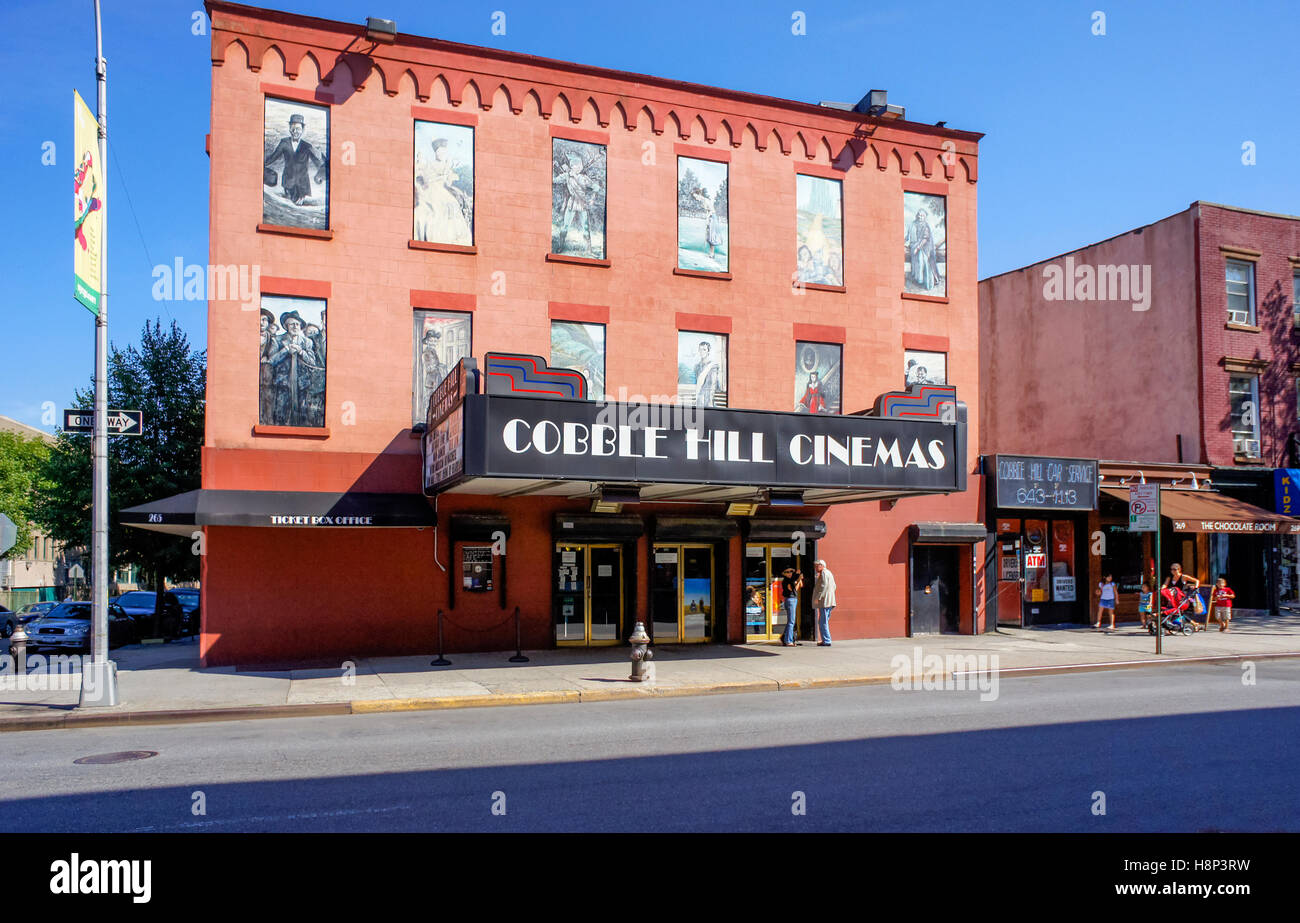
441,661
519,652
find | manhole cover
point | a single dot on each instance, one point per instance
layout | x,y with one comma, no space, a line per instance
123,756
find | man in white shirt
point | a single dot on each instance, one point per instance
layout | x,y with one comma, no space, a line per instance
824,601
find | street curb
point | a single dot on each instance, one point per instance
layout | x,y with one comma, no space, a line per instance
78,719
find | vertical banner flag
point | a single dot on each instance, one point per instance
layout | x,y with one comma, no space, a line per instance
88,213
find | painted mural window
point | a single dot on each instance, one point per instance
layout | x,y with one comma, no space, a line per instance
703,239
1243,400
444,183
581,347
1240,278
925,240
819,244
578,198
924,368
702,369
291,386
817,377
295,164
1295,298
441,339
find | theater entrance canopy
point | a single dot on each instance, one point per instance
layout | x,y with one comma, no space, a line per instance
530,431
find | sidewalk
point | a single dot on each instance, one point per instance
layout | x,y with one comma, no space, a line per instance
164,684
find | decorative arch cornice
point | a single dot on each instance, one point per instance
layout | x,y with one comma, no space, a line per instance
891,147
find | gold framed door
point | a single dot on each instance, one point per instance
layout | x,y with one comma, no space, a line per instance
764,613
682,593
589,595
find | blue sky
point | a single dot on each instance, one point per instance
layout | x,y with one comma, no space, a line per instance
1086,135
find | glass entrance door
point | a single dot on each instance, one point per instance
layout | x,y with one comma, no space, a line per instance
589,594
681,593
764,614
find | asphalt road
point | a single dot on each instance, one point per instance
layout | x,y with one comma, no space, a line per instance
1187,748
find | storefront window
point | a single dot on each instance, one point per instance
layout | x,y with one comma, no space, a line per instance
1063,586
1037,576
1123,558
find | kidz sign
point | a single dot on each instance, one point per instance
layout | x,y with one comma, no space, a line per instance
1038,483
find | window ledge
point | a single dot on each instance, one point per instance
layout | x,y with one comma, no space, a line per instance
442,248
1248,459
312,432
578,260
701,274
819,287
295,232
1244,328
914,296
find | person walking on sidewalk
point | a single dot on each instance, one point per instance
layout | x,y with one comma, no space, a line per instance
1106,601
1222,603
823,601
791,584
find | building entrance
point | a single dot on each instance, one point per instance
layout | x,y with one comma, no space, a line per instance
681,593
589,594
764,614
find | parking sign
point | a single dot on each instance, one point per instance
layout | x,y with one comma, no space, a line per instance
1144,507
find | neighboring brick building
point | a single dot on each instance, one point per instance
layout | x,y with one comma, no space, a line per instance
715,203
1172,353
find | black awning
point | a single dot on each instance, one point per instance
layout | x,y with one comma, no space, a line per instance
694,529
568,527
781,530
478,527
948,532
281,509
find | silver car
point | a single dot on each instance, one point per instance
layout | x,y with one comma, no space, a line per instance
67,627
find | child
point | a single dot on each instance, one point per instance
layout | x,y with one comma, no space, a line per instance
1106,602
1145,603
1223,597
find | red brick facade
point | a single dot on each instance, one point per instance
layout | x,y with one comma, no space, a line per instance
282,593
1271,244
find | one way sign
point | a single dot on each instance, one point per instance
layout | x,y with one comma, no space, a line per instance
120,422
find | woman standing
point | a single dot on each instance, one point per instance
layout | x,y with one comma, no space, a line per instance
1185,583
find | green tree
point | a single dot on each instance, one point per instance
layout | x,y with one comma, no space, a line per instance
166,379
22,462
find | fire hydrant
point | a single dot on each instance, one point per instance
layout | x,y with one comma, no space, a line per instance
642,667
18,649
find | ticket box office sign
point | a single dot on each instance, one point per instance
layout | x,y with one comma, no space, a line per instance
539,438
1035,482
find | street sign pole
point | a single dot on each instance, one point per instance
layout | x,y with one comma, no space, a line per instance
99,675
1144,516
1155,582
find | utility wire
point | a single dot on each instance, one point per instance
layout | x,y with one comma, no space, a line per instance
131,208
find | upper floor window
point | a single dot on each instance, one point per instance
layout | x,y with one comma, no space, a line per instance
581,346
442,338
1295,296
1243,399
1240,276
578,199
291,376
703,215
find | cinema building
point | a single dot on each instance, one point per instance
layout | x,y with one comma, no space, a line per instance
602,348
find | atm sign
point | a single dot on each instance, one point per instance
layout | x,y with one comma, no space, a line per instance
1033,561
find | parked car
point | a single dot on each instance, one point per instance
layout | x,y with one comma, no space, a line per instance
189,597
139,604
7,621
67,627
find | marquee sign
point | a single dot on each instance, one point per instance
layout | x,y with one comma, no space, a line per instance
509,436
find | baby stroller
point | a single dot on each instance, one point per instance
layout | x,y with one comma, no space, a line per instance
1175,613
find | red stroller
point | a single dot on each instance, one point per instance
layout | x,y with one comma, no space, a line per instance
1175,613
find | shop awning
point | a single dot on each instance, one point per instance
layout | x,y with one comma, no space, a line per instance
782,530
181,514
606,527
948,532
1211,511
